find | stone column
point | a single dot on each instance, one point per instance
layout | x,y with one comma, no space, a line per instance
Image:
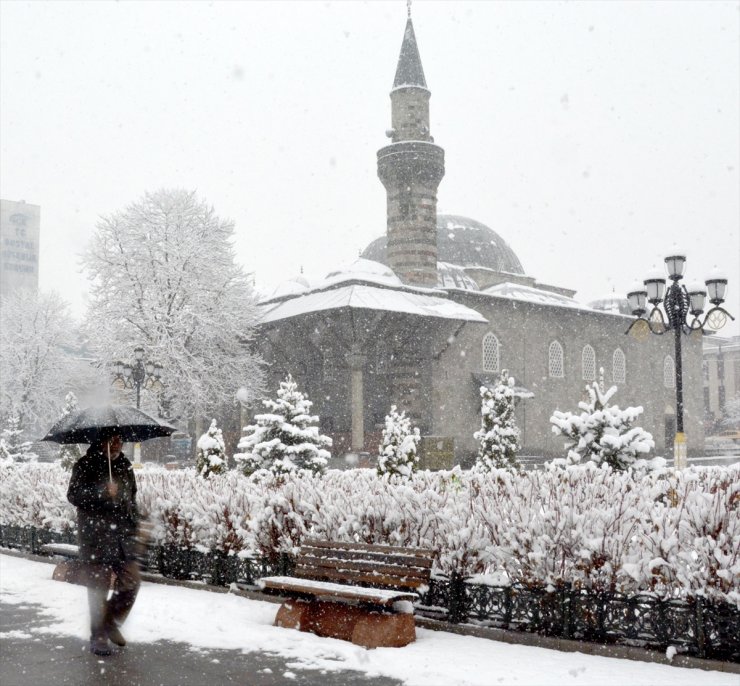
356,365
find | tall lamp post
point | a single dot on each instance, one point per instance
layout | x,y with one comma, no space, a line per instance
139,374
683,306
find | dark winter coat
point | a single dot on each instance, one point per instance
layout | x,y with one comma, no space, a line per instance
106,526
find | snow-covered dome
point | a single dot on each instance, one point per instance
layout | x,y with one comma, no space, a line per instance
611,303
463,242
366,270
295,286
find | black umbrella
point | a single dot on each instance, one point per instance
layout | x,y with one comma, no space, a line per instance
100,423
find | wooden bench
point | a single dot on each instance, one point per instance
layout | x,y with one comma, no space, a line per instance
70,569
353,591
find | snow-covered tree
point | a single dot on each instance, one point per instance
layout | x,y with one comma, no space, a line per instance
69,453
210,455
36,365
286,437
731,413
12,447
601,432
164,276
398,448
499,435
248,461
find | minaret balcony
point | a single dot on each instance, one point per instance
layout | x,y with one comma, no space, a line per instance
411,161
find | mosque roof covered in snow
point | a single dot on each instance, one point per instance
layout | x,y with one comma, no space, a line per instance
463,242
364,285
517,291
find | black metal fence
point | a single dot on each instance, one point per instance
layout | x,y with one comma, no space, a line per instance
694,626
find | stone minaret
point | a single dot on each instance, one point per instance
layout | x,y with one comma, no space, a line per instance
411,168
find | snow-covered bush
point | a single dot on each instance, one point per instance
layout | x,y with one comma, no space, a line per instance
601,432
285,438
210,455
12,447
499,435
398,448
673,533
33,494
69,453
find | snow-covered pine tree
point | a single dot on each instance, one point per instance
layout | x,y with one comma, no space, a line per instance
211,452
69,453
601,432
285,438
247,461
499,435
12,447
397,451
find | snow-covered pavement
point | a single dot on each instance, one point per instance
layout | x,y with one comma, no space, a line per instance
222,621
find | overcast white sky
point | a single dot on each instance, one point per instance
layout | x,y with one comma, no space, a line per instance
589,135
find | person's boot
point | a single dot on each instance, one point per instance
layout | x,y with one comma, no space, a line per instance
99,645
117,610
111,626
115,635
98,600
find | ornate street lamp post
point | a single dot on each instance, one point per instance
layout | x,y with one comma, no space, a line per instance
138,375
684,306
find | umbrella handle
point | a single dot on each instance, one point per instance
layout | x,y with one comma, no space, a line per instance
110,469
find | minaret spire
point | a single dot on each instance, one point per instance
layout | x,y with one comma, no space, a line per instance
411,169
409,71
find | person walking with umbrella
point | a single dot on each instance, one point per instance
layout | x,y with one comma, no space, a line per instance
103,489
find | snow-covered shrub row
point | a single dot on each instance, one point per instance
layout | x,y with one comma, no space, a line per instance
35,495
673,533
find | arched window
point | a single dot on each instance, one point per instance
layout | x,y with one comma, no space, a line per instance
555,359
491,353
619,366
588,363
669,372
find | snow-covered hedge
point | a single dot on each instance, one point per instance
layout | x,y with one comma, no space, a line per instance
674,533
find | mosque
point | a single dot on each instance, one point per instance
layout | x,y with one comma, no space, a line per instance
439,305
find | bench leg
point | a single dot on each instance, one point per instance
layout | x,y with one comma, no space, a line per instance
74,572
376,630
70,571
292,614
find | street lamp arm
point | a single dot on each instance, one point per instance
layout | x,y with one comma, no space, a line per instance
658,325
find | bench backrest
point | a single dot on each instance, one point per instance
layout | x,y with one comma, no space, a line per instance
376,566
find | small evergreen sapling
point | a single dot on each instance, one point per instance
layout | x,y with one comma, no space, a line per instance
69,453
12,447
601,432
285,438
499,435
211,452
398,449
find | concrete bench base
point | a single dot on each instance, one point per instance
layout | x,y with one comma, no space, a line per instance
361,626
75,572
71,571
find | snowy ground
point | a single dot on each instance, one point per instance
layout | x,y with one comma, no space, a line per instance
211,620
